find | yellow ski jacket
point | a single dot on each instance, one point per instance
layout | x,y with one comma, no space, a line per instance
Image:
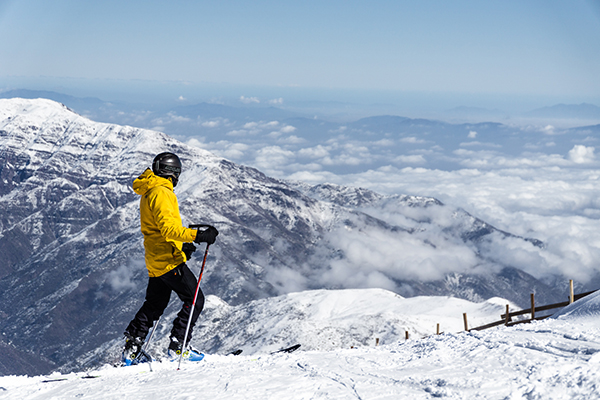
161,224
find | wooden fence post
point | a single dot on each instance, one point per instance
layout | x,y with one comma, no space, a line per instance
507,316
532,306
406,334
571,293
465,320
376,341
437,331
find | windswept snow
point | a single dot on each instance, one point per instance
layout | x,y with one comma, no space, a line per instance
558,358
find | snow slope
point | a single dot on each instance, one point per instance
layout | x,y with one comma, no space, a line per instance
333,319
558,358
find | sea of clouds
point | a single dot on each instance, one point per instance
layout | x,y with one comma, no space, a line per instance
543,183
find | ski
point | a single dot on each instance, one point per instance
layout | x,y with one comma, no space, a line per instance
66,378
55,380
189,356
290,349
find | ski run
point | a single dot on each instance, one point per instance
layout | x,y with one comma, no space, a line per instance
557,358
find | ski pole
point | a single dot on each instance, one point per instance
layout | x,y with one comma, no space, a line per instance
146,345
152,333
187,329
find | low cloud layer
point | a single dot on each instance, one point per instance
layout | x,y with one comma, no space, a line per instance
558,205
533,182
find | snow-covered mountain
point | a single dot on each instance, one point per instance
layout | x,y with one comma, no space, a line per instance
72,272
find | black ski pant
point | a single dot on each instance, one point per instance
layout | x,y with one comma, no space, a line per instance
183,282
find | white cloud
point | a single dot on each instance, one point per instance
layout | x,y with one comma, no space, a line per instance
273,158
170,118
384,143
249,100
341,129
195,142
480,144
278,101
414,159
287,129
372,256
472,135
350,154
223,148
487,159
581,154
314,152
235,150
122,278
293,139
412,140
211,124
178,118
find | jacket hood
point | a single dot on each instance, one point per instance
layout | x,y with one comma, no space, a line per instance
147,180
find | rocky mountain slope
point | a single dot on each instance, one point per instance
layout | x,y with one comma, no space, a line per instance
72,271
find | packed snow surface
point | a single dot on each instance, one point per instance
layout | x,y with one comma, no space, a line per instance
558,358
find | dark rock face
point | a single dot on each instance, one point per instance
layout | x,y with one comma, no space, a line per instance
72,272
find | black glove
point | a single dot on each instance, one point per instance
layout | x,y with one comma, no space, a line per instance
188,249
209,235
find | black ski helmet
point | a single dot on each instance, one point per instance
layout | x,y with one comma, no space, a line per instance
167,165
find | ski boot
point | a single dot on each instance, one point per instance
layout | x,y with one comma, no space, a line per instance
189,354
132,352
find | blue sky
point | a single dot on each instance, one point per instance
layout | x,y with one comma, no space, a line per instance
476,47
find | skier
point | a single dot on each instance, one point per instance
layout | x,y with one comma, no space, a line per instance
167,248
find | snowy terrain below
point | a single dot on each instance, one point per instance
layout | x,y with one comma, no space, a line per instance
558,358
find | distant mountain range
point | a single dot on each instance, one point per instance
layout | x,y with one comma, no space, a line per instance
571,111
477,113
108,111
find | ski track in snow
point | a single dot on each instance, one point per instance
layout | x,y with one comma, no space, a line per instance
551,359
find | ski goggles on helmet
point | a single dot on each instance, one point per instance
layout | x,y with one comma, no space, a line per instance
171,170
